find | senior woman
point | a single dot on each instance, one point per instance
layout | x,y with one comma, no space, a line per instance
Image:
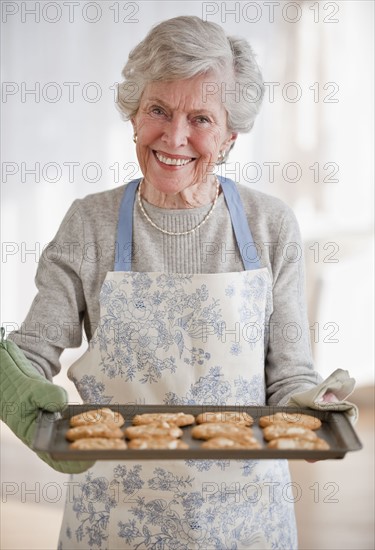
184,302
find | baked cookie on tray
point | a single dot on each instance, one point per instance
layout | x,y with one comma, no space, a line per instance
227,443
102,416
235,417
220,429
291,443
178,418
305,420
288,430
98,443
148,431
94,430
157,443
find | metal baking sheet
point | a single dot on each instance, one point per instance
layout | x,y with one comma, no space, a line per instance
336,430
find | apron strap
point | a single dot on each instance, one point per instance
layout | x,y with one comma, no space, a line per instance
123,261
240,225
244,238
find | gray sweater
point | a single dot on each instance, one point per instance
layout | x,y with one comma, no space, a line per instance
73,267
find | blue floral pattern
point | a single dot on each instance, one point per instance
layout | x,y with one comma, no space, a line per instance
173,511
162,339
91,390
215,389
145,325
92,508
150,326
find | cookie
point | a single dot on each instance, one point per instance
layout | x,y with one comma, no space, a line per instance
98,443
305,420
220,429
157,443
153,430
288,430
236,417
178,418
227,443
94,430
289,443
102,416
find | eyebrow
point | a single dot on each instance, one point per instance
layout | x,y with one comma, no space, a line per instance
166,106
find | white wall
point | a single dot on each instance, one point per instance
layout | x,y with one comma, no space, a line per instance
326,134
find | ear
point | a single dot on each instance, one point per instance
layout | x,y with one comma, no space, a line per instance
233,138
230,141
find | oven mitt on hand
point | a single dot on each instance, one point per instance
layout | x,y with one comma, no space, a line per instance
330,395
23,392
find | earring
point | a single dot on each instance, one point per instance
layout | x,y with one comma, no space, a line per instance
135,137
221,157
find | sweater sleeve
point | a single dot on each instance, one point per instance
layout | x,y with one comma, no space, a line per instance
289,364
54,321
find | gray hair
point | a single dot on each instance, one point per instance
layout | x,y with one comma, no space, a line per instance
187,46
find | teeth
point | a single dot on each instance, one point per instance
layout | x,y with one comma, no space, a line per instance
172,162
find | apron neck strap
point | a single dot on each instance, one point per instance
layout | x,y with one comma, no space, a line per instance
240,225
123,261
242,232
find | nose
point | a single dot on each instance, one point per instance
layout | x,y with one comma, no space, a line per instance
176,132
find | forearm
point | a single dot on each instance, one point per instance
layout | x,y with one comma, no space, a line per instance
289,363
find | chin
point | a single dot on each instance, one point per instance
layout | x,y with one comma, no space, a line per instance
170,187
171,183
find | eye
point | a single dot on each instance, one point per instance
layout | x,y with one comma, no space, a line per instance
157,111
202,119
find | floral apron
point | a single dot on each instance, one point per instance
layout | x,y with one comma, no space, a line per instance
180,340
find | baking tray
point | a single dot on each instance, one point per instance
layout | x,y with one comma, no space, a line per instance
336,429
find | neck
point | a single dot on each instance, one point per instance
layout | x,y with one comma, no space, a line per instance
192,197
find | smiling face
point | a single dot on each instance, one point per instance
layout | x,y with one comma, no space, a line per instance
180,133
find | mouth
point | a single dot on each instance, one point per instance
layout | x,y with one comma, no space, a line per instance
172,160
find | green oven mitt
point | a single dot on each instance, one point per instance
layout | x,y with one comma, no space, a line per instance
23,393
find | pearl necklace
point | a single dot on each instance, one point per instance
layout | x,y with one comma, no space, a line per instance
177,233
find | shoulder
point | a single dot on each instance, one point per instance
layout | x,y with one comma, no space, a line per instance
262,203
103,205
275,230
267,214
92,218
